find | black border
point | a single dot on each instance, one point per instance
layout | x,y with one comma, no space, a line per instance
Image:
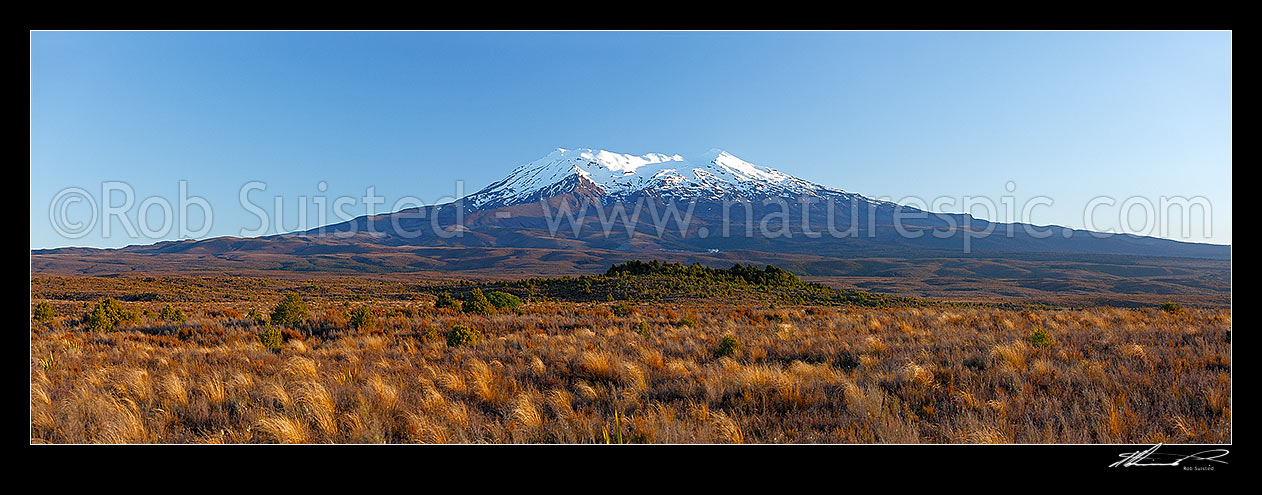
1037,464
643,16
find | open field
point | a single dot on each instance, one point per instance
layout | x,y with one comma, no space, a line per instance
595,360
1110,280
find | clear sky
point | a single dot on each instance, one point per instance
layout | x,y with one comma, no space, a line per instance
1066,115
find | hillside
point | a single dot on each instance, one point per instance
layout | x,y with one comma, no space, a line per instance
578,211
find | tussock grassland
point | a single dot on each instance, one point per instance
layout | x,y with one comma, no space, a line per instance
596,372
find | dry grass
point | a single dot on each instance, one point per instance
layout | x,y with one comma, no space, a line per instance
559,372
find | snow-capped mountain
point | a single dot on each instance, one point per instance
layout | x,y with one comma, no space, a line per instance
715,175
562,210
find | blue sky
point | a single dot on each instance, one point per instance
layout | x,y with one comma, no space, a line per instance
1066,115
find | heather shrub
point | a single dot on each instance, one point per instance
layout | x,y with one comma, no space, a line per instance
463,335
291,311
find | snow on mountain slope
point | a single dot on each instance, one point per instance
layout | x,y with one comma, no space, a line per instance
716,174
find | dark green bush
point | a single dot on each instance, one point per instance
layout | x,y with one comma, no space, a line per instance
43,312
463,335
290,311
171,314
446,301
503,300
271,338
430,332
730,345
1040,338
1170,307
637,282
477,304
107,314
769,275
686,321
362,317
623,310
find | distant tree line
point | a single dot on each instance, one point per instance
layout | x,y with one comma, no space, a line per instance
648,281
769,275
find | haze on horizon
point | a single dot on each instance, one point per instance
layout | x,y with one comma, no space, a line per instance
1066,115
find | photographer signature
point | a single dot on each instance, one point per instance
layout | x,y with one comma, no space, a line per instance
1150,457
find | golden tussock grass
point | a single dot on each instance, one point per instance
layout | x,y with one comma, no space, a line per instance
562,372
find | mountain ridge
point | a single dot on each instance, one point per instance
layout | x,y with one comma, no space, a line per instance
561,214
714,175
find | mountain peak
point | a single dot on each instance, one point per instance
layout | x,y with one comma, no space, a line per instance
715,174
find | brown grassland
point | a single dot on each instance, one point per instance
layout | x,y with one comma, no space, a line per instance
676,370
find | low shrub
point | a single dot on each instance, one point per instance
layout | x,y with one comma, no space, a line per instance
446,301
406,312
290,311
362,318
477,304
171,314
429,333
271,338
623,310
107,314
1040,338
503,300
43,312
729,346
463,335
